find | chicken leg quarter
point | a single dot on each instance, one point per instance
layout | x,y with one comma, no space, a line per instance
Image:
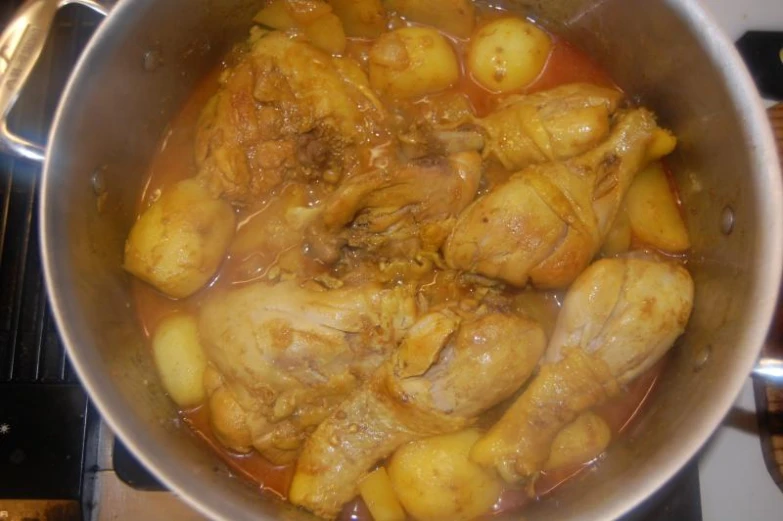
548,221
618,319
290,355
444,374
552,125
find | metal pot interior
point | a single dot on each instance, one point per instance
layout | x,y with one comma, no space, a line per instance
661,52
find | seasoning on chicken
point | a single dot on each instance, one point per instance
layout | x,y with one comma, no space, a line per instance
548,221
618,319
397,211
473,364
291,354
552,125
271,120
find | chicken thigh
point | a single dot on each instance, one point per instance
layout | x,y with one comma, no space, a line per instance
618,319
271,122
548,221
551,125
445,373
290,354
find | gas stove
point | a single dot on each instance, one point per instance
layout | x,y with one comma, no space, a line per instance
59,461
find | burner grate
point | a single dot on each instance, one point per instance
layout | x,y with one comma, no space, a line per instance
30,349
47,425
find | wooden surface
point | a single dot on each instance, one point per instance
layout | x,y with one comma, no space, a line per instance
769,399
776,117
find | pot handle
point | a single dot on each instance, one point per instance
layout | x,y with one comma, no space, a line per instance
770,370
21,44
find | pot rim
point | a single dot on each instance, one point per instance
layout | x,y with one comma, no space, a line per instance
767,179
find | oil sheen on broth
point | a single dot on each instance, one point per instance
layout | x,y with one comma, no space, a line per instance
175,162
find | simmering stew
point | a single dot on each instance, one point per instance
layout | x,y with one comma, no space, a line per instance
409,259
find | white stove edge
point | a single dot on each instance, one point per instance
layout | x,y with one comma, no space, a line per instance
735,484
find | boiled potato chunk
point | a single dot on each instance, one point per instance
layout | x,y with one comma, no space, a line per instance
455,17
314,17
412,62
180,359
229,421
275,15
362,18
327,34
508,54
436,480
178,243
287,14
305,12
653,213
579,442
379,496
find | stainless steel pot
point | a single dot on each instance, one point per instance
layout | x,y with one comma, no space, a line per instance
146,58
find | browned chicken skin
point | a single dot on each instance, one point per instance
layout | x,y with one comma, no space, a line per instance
290,354
446,371
271,122
397,211
618,318
552,125
548,221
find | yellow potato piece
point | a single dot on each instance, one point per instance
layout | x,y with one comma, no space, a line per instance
508,54
229,421
435,479
579,442
180,359
327,34
412,62
456,17
362,18
179,242
653,213
315,18
275,15
305,12
379,496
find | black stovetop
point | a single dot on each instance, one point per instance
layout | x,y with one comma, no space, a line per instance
46,421
48,428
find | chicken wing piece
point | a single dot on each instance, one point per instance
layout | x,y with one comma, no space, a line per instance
551,125
546,223
618,318
399,211
483,361
271,122
290,354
